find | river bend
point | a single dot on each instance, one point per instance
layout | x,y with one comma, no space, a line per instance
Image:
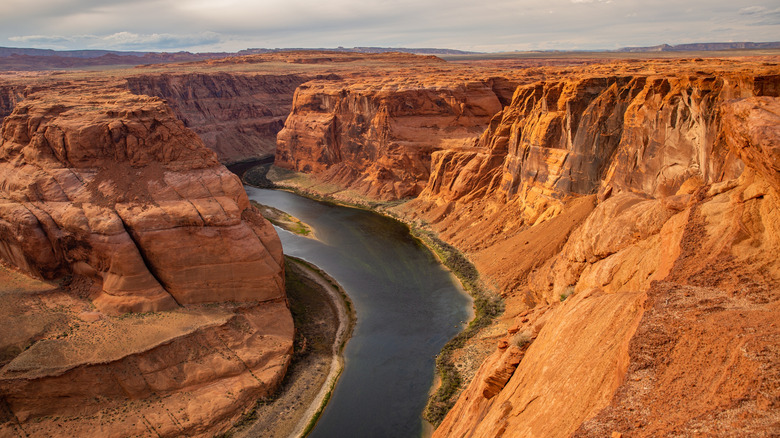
408,306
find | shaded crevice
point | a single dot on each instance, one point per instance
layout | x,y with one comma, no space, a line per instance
8,415
50,229
149,266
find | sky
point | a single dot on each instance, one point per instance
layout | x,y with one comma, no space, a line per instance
474,25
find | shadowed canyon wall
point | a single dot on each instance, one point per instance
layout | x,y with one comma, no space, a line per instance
626,212
236,115
107,195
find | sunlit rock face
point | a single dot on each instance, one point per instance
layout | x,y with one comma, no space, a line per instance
107,195
627,213
112,186
669,282
377,136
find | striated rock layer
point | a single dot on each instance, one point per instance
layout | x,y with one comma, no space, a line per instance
109,191
669,283
236,115
628,214
376,135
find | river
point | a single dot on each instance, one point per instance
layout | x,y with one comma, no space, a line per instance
408,306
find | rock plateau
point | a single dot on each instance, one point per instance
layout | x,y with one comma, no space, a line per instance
121,210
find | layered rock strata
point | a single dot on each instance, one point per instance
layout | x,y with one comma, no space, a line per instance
109,192
236,115
10,95
376,136
627,213
668,282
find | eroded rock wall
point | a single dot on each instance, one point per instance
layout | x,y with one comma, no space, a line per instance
10,95
626,212
677,257
377,136
113,187
109,196
236,115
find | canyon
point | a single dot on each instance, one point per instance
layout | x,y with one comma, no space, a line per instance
625,211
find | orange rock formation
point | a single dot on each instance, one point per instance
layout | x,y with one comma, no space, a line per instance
109,190
376,136
627,212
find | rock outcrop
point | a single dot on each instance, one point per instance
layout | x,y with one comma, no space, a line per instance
110,193
10,95
626,212
236,115
101,185
669,283
376,136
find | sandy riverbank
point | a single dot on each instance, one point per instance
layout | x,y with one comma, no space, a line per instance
323,320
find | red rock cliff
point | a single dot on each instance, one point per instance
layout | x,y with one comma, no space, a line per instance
376,136
626,212
670,281
236,115
102,185
110,192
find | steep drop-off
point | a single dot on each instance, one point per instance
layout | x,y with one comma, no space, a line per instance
628,214
10,95
685,230
111,199
236,115
376,135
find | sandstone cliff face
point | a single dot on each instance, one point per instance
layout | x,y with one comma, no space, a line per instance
103,187
236,115
111,197
377,136
669,283
10,95
626,212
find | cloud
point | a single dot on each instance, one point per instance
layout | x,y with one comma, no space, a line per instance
170,25
751,10
130,40
761,15
40,39
125,40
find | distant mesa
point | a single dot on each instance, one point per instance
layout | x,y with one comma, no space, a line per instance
29,59
416,51
699,47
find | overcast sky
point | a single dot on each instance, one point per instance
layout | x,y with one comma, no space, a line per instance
478,25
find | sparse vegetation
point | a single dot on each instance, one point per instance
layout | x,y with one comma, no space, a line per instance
569,292
487,306
282,219
256,176
521,340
